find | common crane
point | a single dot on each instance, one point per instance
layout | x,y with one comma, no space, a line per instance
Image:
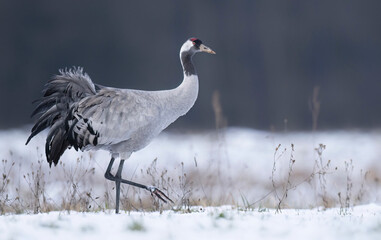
89,116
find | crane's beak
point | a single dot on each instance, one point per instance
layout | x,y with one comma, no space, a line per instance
206,49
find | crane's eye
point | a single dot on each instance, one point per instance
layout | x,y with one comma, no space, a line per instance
196,42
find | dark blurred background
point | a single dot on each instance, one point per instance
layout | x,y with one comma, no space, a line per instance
270,56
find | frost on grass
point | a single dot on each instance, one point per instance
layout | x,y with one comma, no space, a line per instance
240,167
136,226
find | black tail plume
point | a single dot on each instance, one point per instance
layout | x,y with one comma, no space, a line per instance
60,97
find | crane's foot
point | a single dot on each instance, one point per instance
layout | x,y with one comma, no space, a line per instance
158,193
118,180
153,190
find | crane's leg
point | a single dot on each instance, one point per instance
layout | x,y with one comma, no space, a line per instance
118,177
118,180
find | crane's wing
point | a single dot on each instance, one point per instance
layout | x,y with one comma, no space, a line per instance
112,116
60,95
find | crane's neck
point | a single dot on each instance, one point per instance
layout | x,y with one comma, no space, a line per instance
177,102
186,62
185,95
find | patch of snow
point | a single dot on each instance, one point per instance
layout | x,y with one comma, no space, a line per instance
362,222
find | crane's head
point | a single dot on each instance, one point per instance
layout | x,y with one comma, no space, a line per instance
194,45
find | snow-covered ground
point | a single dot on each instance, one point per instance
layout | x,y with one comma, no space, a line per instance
362,222
228,167
250,172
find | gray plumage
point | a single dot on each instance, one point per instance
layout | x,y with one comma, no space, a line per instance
88,116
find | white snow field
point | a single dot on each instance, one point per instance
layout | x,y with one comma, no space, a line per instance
363,222
232,166
327,185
